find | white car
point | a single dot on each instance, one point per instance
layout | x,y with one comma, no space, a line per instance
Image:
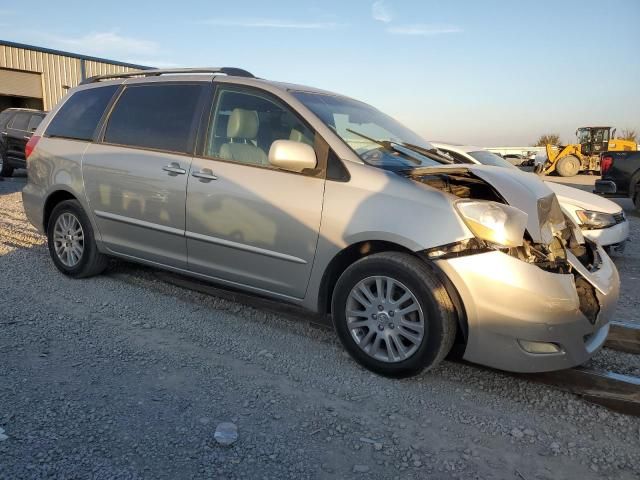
600,220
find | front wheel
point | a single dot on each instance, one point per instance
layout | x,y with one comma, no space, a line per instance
71,241
568,166
393,315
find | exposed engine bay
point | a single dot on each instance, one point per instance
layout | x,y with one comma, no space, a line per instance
558,233
462,186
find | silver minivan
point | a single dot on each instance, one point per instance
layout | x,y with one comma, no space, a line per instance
319,200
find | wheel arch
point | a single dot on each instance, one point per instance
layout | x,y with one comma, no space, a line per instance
354,252
634,184
53,199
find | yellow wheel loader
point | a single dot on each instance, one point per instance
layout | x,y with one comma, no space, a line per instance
569,160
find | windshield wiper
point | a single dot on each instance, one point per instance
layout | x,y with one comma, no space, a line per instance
388,145
431,154
383,143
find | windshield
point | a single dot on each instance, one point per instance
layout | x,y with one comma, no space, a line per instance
378,139
488,158
584,135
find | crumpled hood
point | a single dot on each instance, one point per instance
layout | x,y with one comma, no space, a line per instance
520,189
582,199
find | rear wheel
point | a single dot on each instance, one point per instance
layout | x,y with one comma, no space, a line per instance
5,169
636,198
72,244
568,166
393,315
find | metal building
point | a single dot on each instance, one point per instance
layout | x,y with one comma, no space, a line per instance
35,77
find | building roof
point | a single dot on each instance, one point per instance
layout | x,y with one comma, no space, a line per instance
72,55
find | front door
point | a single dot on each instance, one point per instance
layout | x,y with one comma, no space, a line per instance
136,178
248,223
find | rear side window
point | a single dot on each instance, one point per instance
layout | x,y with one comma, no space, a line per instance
20,121
161,117
78,118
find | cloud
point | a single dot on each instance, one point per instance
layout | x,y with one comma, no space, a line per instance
271,23
424,30
381,12
105,44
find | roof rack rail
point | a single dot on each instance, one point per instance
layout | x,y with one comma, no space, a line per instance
231,71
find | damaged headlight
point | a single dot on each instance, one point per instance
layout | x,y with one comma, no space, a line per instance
494,222
593,219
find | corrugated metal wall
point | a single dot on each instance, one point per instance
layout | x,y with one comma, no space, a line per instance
21,84
97,68
57,70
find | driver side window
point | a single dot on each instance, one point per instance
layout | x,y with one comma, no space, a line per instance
245,124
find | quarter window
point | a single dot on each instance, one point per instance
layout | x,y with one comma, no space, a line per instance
20,121
161,117
34,121
245,124
79,116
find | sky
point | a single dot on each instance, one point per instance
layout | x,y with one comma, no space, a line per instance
484,72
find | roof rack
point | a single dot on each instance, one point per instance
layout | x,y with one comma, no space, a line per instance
231,71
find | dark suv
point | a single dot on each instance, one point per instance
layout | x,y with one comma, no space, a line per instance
16,127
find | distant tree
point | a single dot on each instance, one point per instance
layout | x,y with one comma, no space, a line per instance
628,134
551,138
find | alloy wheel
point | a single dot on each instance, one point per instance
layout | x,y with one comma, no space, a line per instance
385,319
68,239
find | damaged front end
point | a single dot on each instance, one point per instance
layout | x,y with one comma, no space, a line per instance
518,215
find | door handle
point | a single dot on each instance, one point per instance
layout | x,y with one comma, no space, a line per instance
26,137
4,134
174,169
205,175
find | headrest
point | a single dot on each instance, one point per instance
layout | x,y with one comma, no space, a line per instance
297,136
243,124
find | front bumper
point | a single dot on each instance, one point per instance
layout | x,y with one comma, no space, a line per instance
614,235
507,300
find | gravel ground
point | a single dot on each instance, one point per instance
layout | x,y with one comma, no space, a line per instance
126,376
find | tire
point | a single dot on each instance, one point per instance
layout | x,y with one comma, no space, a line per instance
65,218
434,310
5,169
568,166
636,199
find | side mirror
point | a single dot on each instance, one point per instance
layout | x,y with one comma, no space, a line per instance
292,156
